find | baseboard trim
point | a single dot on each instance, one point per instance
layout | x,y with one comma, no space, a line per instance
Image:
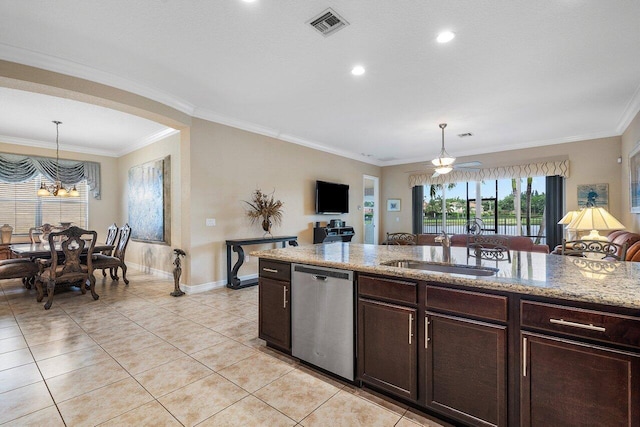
187,289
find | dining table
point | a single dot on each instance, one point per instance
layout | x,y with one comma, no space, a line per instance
43,250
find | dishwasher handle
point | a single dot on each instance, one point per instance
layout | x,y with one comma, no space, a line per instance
320,278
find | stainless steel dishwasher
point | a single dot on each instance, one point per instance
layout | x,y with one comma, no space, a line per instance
322,318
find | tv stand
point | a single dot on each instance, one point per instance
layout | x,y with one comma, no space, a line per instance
332,234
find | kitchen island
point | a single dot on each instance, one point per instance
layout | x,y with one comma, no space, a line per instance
547,340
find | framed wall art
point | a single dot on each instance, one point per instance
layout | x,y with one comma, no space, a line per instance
634,179
150,201
393,205
596,195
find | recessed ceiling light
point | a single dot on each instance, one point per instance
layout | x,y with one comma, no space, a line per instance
358,70
248,1
445,36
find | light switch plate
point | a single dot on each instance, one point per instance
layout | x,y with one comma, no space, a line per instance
210,222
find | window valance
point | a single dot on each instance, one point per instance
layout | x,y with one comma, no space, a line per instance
17,168
548,168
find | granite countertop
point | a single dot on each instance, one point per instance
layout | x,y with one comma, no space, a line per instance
555,276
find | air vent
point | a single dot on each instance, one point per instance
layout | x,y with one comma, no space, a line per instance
464,135
328,22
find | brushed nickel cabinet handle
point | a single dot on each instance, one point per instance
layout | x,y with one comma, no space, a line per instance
524,356
269,270
284,297
426,332
589,327
410,327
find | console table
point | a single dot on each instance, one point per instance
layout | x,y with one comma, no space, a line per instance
233,281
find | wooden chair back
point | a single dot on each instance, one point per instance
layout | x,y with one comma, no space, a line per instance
73,241
41,233
121,247
112,234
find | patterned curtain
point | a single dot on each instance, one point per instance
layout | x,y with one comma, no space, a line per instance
15,168
550,168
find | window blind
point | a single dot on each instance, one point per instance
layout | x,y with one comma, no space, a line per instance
22,209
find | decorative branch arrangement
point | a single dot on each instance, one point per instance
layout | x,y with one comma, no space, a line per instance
265,209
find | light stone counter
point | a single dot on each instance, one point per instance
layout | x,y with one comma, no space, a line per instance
555,276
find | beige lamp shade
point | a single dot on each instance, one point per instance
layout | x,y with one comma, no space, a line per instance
595,219
569,217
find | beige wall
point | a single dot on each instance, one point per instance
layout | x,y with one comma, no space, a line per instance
591,162
228,164
103,212
153,257
630,139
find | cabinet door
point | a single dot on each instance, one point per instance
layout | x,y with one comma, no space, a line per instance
466,369
275,312
387,347
566,383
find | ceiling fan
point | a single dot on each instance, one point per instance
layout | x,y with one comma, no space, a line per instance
445,163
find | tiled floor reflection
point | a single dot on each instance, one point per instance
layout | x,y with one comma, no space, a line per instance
138,356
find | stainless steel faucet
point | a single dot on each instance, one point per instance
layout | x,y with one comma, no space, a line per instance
445,241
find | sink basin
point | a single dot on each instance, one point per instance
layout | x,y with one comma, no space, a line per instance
468,270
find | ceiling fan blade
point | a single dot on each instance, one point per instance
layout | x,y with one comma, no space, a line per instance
468,164
435,175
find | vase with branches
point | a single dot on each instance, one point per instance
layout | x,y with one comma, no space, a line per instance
265,209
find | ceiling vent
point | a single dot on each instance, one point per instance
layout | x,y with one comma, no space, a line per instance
464,135
328,22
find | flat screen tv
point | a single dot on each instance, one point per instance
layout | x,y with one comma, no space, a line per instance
332,198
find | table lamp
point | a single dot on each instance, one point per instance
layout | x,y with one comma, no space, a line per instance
566,220
595,219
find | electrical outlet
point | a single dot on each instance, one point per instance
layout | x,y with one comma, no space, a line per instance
210,222
247,258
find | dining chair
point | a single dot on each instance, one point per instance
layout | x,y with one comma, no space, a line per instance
112,234
484,246
595,249
65,266
40,234
19,268
401,239
115,261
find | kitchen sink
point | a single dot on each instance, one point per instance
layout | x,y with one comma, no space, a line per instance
468,270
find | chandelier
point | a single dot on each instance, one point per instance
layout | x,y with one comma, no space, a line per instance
57,189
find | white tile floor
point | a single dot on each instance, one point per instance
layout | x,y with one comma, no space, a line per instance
138,356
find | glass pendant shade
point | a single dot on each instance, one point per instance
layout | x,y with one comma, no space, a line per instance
444,161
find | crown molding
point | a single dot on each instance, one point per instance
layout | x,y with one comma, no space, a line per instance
516,146
630,112
274,133
74,69
63,147
147,140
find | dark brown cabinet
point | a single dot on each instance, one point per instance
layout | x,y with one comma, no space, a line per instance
387,336
466,355
466,372
568,380
387,347
274,314
567,383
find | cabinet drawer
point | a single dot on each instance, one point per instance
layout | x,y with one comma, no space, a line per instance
486,306
579,322
388,289
275,270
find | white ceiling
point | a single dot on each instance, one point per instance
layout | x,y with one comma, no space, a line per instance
519,73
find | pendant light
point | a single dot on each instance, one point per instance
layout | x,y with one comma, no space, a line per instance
57,189
444,162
